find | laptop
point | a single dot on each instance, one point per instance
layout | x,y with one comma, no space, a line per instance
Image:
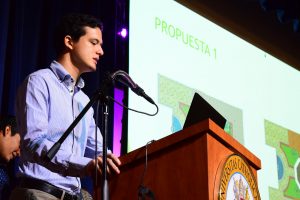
200,110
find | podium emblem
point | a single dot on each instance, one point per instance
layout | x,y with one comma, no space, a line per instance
237,181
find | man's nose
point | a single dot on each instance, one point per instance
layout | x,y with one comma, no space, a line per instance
100,51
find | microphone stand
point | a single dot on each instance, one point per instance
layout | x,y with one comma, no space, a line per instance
105,188
54,149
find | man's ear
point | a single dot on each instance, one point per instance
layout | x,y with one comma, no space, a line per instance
68,42
7,131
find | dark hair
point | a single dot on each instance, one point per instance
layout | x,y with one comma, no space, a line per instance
73,25
8,120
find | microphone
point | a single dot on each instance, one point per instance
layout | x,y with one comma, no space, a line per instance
125,79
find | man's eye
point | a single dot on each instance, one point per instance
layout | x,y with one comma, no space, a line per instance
94,42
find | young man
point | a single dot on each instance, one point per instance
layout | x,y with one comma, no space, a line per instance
9,149
9,139
48,102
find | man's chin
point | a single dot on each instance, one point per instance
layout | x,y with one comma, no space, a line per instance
94,68
91,69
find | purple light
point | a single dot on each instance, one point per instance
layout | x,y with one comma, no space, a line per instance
118,116
123,33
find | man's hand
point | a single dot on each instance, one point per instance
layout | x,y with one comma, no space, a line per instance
113,164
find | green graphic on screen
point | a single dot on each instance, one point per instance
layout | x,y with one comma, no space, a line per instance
287,145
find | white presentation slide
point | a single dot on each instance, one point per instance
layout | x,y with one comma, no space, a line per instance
174,52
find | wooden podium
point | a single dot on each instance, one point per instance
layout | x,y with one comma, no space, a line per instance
184,165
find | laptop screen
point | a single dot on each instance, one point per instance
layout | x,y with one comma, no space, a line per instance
200,110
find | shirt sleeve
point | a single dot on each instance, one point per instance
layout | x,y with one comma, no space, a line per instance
33,108
91,142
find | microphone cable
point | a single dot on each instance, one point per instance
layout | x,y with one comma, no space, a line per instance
137,111
144,191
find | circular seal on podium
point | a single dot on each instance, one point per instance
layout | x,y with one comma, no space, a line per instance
236,180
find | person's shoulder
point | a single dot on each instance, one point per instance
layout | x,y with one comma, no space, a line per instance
38,78
41,72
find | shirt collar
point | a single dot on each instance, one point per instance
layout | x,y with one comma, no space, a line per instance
64,77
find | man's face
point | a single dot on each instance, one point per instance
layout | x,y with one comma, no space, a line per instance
9,145
87,50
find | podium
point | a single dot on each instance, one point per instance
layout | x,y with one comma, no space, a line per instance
184,165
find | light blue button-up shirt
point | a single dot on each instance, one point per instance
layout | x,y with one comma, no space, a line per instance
47,103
